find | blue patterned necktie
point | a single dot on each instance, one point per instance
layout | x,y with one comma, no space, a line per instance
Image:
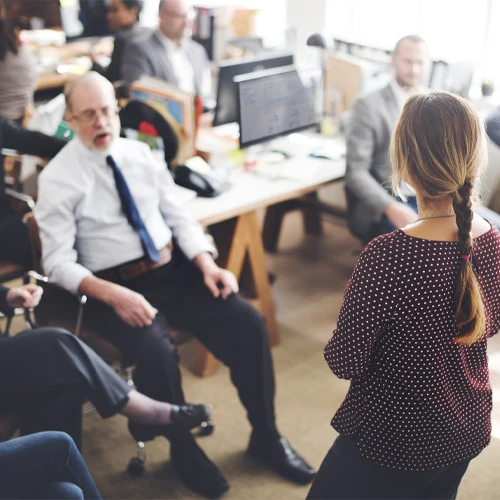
130,209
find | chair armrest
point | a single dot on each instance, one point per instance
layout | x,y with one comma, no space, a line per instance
37,279
12,167
54,293
24,198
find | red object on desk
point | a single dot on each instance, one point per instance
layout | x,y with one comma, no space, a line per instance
148,128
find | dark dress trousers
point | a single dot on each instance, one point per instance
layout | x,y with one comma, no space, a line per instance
47,373
232,329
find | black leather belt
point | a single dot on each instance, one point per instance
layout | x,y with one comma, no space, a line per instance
136,268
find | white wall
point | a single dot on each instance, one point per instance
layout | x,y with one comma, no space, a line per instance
306,17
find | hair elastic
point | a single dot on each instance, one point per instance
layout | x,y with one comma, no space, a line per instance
465,257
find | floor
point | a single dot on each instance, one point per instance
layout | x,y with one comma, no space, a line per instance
311,275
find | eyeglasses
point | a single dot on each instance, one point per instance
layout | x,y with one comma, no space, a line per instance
190,15
90,115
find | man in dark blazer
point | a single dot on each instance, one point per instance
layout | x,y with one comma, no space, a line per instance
123,19
170,53
14,236
372,208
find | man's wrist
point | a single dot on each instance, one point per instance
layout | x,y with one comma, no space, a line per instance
205,262
99,289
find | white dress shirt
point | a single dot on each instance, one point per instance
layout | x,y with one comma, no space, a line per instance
83,228
183,69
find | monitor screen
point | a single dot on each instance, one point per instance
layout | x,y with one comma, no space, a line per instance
272,103
454,77
227,97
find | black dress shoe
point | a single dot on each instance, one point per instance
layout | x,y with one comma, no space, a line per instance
187,416
197,471
190,415
279,455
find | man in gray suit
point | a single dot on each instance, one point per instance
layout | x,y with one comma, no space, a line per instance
372,209
493,126
170,53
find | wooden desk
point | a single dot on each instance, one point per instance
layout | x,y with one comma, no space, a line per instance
70,54
53,80
232,220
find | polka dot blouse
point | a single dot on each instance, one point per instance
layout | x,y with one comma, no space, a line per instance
417,400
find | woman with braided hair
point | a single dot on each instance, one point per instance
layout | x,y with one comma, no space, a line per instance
413,329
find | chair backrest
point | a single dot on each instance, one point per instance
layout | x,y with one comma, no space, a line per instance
12,168
147,118
10,271
36,244
20,203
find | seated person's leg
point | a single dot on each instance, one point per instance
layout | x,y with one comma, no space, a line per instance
32,466
236,334
60,490
55,373
157,375
63,372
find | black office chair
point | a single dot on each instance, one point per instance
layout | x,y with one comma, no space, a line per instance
150,117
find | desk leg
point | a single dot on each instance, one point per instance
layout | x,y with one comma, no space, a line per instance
241,251
273,221
309,205
312,214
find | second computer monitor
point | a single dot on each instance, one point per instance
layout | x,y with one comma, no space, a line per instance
272,103
226,109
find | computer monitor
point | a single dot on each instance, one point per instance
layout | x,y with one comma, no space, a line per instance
454,77
272,103
227,98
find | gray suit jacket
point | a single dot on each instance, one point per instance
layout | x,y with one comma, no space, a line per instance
368,167
148,56
493,126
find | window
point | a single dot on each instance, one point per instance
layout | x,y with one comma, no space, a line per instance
454,29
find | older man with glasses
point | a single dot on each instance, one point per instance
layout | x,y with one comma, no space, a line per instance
170,53
111,230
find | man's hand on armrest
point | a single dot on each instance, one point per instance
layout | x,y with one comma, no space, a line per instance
220,282
400,214
131,306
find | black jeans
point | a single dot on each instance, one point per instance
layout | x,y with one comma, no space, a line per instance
232,329
47,373
345,474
